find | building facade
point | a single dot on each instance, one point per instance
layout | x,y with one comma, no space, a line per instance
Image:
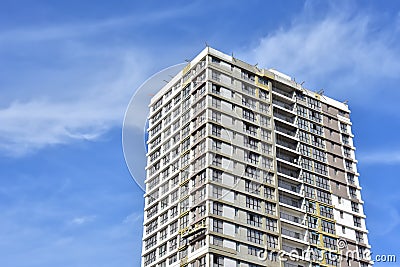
247,168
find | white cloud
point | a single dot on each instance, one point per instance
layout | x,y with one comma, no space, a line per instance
94,108
74,30
394,221
340,51
379,157
82,220
77,84
134,218
386,220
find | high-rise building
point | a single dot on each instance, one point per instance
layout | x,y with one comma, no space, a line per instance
247,168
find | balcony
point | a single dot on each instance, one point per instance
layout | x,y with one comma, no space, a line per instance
292,234
285,130
282,92
283,104
247,76
199,67
286,157
281,116
288,172
252,161
289,217
291,249
220,65
249,104
199,80
290,201
251,132
250,129
249,117
288,264
216,76
289,145
289,186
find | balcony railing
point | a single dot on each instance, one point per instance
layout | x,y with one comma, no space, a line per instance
250,118
200,67
250,130
289,186
285,131
282,104
216,91
290,201
252,161
216,77
290,217
248,104
288,264
291,249
222,66
279,91
287,158
247,77
286,144
288,172
283,117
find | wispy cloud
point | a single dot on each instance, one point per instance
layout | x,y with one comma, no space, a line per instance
380,157
134,218
388,219
82,220
76,82
85,28
95,106
394,222
347,52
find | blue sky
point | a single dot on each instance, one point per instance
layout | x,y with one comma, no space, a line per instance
69,68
